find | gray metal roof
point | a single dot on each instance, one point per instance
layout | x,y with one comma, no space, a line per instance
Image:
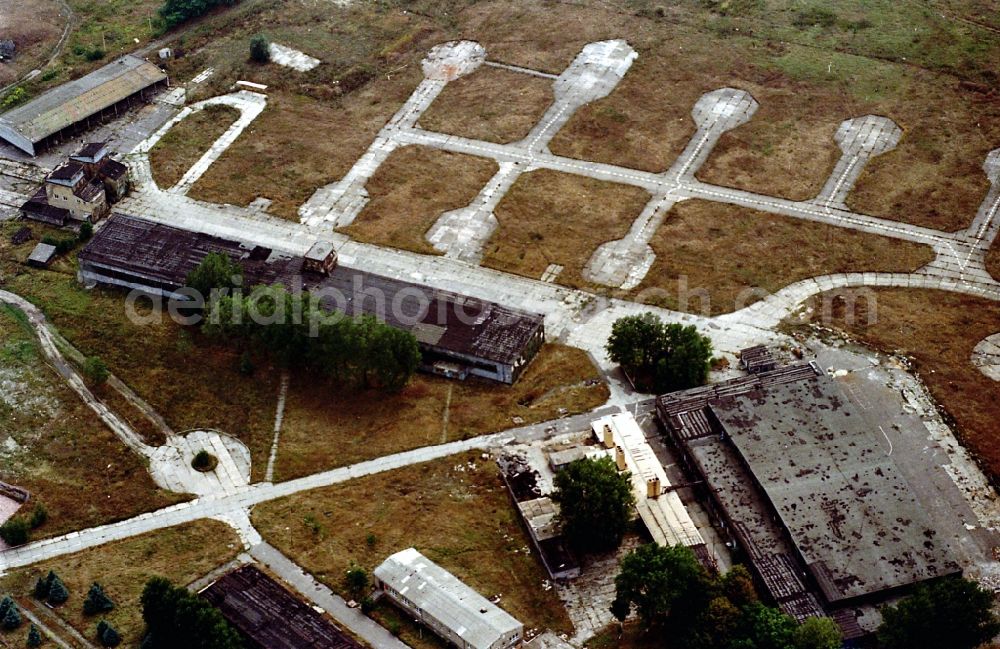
43,253
441,596
843,500
76,100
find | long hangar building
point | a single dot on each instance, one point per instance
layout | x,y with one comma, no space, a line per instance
459,336
72,106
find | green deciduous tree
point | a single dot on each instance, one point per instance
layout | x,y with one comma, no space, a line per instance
260,49
595,503
656,579
659,357
216,272
818,633
955,613
176,618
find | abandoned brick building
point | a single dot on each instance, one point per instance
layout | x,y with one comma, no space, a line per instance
82,189
459,335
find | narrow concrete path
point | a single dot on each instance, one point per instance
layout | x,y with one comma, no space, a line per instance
50,349
48,633
353,619
279,417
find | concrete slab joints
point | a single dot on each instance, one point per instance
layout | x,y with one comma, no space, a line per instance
292,58
625,262
339,203
860,139
986,356
593,74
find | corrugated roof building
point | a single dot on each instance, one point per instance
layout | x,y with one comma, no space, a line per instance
437,599
474,337
29,126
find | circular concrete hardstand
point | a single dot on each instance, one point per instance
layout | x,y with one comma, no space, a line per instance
986,356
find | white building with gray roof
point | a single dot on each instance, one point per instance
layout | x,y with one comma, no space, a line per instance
445,605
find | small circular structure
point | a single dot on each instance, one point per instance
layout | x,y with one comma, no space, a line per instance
204,462
986,356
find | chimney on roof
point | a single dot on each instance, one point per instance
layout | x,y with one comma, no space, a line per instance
620,458
653,488
609,437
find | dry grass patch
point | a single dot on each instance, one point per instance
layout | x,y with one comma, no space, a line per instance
724,252
326,427
939,330
549,217
993,261
490,104
187,141
456,511
181,554
189,381
787,150
56,447
299,144
411,189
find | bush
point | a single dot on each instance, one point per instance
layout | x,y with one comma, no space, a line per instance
34,637
58,594
62,245
12,618
16,531
97,601
174,12
204,461
86,230
42,586
260,49
356,581
367,605
107,635
39,516
16,96
95,370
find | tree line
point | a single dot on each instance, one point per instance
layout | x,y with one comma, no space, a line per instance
294,328
175,12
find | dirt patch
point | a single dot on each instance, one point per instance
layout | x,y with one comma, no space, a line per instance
993,261
710,256
35,28
181,554
187,141
490,104
324,429
549,217
939,331
455,511
55,446
411,189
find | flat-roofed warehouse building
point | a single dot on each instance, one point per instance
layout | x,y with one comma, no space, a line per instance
458,335
440,601
74,104
801,483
